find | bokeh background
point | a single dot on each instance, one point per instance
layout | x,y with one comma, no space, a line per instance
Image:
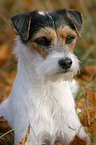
85,50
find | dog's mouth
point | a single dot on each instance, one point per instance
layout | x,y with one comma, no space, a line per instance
64,71
61,75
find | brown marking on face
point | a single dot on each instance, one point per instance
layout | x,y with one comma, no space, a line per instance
47,32
63,33
72,44
60,36
40,50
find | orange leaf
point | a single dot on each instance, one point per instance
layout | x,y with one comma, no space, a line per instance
87,116
4,128
91,97
79,141
23,141
87,71
3,53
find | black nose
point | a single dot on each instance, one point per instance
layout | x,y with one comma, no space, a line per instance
65,63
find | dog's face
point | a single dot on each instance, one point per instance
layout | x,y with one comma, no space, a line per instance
50,37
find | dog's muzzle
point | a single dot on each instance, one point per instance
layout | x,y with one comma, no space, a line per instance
65,63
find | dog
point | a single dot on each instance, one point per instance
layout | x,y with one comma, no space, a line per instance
43,91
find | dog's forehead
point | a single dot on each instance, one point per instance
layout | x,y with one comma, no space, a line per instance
47,19
53,19
41,19
59,18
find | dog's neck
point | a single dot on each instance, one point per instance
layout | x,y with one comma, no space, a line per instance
27,74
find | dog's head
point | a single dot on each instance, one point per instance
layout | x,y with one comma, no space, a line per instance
50,37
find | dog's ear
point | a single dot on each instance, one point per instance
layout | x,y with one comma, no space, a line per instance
76,19
21,24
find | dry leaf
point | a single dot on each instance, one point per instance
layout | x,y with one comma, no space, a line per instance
7,139
79,141
23,141
90,69
6,81
3,125
92,130
81,104
88,107
90,97
4,91
87,116
87,71
3,53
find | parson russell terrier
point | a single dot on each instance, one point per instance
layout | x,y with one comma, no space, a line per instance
42,93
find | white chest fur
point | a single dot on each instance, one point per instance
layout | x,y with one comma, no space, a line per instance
49,108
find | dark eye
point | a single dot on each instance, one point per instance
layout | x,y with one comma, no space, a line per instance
43,41
69,39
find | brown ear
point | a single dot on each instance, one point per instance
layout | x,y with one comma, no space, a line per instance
21,24
76,18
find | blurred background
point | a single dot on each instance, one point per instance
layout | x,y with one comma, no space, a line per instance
85,48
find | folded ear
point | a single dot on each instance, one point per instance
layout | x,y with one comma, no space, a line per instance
21,24
76,19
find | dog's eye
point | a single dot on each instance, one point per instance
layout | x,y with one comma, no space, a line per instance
69,39
43,41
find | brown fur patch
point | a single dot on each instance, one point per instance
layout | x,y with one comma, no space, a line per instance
43,52
44,32
62,33
60,36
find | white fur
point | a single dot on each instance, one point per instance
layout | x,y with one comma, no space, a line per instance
42,13
42,97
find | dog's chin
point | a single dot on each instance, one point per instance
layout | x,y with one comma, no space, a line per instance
60,76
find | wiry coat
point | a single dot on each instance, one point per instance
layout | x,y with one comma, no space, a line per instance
41,94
